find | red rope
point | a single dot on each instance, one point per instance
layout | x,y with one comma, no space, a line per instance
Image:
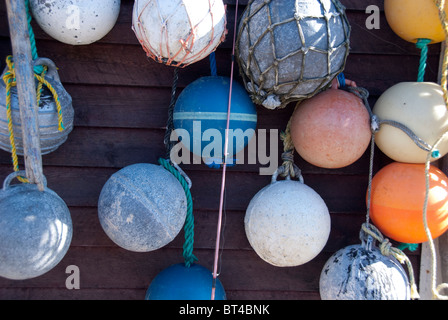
224,167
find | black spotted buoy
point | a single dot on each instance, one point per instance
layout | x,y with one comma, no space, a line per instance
362,272
35,229
142,207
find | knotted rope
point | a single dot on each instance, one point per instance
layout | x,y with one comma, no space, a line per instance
9,79
385,245
387,250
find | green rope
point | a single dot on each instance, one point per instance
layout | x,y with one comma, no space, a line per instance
37,69
422,44
189,257
411,246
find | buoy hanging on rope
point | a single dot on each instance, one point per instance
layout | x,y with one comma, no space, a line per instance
55,111
413,116
415,19
179,282
287,223
331,129
76,22
35,229
362,272
142,207
291,50
200,117
397,201
179,32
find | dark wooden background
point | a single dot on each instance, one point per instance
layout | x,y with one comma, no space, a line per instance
121,100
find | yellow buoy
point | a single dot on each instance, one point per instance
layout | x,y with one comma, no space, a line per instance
420,108
415,19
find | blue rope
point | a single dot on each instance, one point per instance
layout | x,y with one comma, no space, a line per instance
213,69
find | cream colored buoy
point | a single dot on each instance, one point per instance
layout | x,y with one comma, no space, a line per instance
287,223
420,107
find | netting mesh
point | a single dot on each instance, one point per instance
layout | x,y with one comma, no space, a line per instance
289,50
179,33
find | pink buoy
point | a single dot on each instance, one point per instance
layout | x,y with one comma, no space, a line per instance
331,129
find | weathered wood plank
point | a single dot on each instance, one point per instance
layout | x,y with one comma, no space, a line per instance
344,230
82,186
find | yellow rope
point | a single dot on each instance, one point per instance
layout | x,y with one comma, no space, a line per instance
9,79
441,8
387,250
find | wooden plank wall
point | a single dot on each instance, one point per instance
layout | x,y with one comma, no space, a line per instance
121,100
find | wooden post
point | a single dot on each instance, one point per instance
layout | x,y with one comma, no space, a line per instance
26,89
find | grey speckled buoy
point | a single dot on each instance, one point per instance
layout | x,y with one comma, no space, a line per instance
362,272
142,207
35,230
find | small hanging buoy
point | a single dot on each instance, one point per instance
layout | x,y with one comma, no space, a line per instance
201,111
414,116
362,272
35,229
76,22
287,223
397,200
142,207
290,50
179,282
179,32
55,109
415,19
331,129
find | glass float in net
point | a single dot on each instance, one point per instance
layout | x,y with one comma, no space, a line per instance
289,50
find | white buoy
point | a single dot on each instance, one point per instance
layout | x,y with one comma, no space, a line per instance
287,223
76,22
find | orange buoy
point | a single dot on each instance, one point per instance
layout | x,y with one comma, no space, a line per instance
415,19
397,200
331,129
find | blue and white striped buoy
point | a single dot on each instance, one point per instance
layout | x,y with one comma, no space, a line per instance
200,117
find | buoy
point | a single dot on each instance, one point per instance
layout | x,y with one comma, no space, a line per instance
397,200
291,50
362,272
35,229
415,19
53,132
179,32
287,223
76,22
420,107
142,207
200,117
331,129
179,282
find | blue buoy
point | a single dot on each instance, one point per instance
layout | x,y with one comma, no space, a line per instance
179,282
200,117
